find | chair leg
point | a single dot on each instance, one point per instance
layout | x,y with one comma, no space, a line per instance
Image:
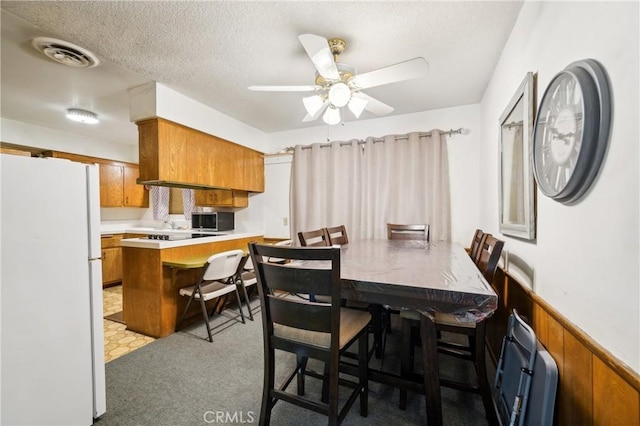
216,305
406,348
205,317
431,370
478,342
326,383
184,314
376,323
246,298
363,355
269,383
334,367
302,366
240,305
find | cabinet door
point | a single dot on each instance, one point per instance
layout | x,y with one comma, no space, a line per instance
111,265
111,184
214,197
240,199
134,195
253,171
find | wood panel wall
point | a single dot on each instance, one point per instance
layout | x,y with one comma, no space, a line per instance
594,387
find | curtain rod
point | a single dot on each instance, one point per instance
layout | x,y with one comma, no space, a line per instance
290,149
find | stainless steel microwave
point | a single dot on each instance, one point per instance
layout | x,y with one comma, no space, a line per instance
214,221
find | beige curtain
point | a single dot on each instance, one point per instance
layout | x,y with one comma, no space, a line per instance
401,179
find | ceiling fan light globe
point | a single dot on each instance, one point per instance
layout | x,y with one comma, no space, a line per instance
331,115
312,104
339,94
357,105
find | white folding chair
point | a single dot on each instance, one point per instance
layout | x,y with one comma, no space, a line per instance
218,279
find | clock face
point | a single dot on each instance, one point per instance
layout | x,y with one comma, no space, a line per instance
572,131
559,130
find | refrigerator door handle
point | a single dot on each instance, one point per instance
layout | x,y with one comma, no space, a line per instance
95,258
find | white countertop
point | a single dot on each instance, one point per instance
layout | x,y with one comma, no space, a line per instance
186,233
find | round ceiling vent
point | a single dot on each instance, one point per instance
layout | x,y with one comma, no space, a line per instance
65,53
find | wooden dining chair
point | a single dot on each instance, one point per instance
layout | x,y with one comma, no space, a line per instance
217,280
337,235
408,232
475,245
322,331
473,350
316,238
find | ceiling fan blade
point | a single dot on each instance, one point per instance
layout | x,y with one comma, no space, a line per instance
318,50
413,68
283,88
373,105
317,114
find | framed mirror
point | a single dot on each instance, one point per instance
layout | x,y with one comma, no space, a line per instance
517,188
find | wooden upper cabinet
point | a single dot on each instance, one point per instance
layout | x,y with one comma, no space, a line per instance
111,185
174,154
221,197
118,187
134,195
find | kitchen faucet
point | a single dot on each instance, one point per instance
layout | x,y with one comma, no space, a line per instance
171,223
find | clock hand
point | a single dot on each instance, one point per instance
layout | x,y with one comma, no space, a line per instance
561,136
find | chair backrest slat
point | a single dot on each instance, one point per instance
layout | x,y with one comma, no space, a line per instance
316,238
300,314
337,235
490,251
408,232
475,245
293,279
222,265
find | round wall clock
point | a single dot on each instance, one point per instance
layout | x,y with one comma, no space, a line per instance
571,131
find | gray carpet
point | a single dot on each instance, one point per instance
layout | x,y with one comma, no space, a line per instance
183,379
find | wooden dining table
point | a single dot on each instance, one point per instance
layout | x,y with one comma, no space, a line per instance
416,275
426,277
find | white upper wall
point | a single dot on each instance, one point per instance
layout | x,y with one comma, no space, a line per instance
20,133
157,100
586,258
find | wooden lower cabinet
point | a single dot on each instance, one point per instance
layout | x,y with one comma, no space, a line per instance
111,260
111,266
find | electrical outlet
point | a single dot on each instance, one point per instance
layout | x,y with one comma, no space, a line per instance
285,221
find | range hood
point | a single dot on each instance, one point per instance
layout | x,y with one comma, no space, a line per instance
177,156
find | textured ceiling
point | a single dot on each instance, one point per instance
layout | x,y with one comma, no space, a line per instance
212,51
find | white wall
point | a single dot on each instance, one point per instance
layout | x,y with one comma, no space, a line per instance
272,206
20,133
463,160
586,259
157,100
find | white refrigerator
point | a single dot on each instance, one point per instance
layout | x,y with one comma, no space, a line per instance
51,347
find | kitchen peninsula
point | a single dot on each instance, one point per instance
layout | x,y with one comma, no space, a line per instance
151,303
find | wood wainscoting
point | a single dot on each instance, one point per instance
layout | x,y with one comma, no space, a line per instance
594,387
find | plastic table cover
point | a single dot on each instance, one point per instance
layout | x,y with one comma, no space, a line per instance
427,277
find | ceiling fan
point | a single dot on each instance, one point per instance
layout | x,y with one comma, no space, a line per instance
337,84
